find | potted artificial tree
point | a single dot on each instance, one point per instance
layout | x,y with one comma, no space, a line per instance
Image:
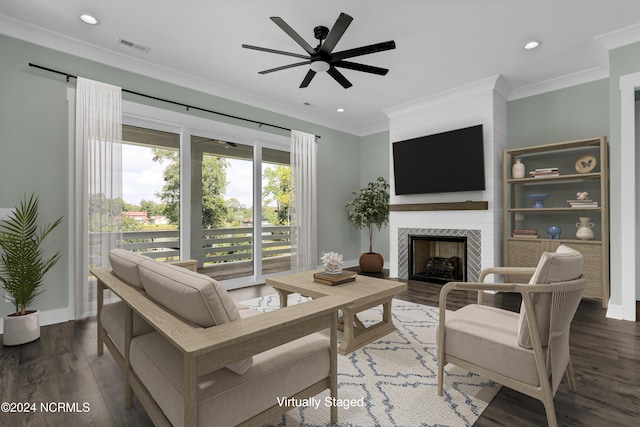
22,266
369,208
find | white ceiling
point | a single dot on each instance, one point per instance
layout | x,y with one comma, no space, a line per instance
441,44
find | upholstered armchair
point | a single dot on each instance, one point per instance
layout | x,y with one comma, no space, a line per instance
526,351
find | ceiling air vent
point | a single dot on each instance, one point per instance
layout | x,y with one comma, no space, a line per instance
134,45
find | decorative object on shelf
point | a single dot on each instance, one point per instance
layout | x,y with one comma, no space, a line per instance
538,199
582,201
22,267
554,231
585,231
517,170
332,262
586,163
369,208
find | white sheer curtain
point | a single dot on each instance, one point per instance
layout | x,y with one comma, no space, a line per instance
304,235
98,188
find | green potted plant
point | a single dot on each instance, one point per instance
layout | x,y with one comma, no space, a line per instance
370,208
22,267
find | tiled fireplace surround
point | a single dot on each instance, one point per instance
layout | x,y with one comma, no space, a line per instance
483,102
473,248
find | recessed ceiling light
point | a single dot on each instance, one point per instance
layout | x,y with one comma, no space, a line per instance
532,44
340,110
88,19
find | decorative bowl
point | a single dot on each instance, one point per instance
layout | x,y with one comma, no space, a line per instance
538,199
554,231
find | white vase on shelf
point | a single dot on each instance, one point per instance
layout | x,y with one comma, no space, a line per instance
517,170
585,231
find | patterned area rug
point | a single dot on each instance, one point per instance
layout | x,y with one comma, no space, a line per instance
393,381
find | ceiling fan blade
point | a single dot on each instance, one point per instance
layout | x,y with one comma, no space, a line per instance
334,36
307,79
339,77
284,67
295,36
361,67
364,50
279,52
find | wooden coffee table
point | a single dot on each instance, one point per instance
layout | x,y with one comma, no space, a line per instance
366,292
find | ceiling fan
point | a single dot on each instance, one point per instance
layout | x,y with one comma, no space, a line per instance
322,58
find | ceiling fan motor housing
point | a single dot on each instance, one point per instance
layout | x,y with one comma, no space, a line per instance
320,32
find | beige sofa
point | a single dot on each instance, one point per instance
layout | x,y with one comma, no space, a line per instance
194,357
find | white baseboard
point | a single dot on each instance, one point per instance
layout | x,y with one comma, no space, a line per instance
620,312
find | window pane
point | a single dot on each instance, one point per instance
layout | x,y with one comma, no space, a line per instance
151,192
276,211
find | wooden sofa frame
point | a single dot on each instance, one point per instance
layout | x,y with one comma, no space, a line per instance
208,349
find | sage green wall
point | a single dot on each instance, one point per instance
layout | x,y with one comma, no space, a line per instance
34,147
374,162
576,112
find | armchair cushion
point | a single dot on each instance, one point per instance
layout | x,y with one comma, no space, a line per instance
195,297
125,265
488,336
560,266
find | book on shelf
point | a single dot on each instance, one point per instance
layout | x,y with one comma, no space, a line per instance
546,170
525,236
536,174
525,233
585,203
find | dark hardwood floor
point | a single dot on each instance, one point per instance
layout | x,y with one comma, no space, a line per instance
62,366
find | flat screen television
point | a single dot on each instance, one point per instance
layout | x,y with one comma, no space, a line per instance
441,163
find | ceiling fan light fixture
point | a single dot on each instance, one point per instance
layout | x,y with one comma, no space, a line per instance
320,66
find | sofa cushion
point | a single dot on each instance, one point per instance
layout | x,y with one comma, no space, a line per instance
112,318
488,336
560,266
225,399
193,296
125,265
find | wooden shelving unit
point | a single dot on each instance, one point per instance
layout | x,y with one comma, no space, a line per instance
519,213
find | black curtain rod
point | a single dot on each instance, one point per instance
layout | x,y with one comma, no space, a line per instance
168,101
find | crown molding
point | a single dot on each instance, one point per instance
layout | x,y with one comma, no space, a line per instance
40,36
563,82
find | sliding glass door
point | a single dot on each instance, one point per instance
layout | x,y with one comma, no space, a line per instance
221,198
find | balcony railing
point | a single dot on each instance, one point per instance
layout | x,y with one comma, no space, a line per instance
226,252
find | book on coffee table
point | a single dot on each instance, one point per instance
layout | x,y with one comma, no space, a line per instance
334,279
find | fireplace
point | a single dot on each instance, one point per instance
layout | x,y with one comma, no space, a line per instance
437,259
